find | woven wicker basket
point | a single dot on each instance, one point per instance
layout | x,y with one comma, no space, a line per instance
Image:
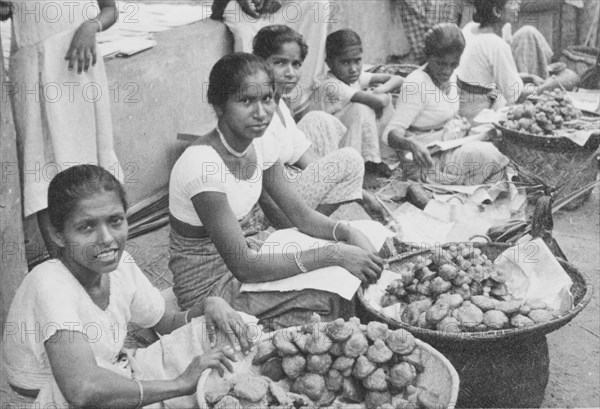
505,368
438,376
559,162
582,293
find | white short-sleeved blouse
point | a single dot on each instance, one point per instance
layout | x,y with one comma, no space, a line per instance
200,169
332,94
291,141
51,299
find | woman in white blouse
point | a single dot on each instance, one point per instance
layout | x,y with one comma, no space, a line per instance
426,112
213,188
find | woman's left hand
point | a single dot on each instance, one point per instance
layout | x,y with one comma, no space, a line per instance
220,315
82,51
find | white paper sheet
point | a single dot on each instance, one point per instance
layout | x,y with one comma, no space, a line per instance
332,279
536,275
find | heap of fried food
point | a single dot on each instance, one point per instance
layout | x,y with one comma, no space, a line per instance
459,289
544,114
325,364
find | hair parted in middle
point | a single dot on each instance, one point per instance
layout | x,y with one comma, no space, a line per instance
269,39
228,74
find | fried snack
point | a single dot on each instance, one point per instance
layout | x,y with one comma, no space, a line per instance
250,388
422,321
279,394
428,400
334,380
300,401
228,402
464,291
448,272
536,304
453,300
356,345
415,359
309,384
337,349
440,286
319,342
326,399
461,278
352,391
218,391
525,309
437,312
448,324
495,319
376,399
318,364
264,351
469,316
509,307
343,363
379,353
283,343
411,313
540,316
521,321
293,365
377,381
377,330
401,342
339,330
402,374
389,299
273,369
484,303
363,367
301,340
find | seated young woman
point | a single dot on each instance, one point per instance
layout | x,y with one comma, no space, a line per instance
324,182
426,112
213,187
65,331
493,71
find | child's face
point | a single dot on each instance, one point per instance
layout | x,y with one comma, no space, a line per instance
347,66
94,234
286,64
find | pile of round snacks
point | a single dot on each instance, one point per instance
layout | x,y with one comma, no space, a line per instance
543,115
459,289
325,364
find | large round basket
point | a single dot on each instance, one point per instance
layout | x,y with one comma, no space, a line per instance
559,162
505,368
438,376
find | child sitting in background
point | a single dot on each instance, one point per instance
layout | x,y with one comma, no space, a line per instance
343,93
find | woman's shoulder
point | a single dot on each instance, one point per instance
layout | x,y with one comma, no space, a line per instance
417,75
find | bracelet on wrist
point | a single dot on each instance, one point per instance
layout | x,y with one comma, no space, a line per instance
141,394
98,22
335,229
186,317
299,263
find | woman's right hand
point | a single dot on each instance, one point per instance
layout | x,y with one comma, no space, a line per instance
219,359
366,266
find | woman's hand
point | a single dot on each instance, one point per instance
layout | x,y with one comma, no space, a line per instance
364,265
421,155
220,315
219,359
82,51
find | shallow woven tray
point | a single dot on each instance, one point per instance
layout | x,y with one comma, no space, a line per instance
439,376
548,143
582,292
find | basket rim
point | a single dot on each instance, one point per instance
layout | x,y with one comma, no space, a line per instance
420,343
549,143
494,335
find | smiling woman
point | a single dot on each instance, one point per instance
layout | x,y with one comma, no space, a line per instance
213,250
65,332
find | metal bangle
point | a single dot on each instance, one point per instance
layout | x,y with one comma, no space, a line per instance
141,398
334,229
97,21
186,317
299,263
